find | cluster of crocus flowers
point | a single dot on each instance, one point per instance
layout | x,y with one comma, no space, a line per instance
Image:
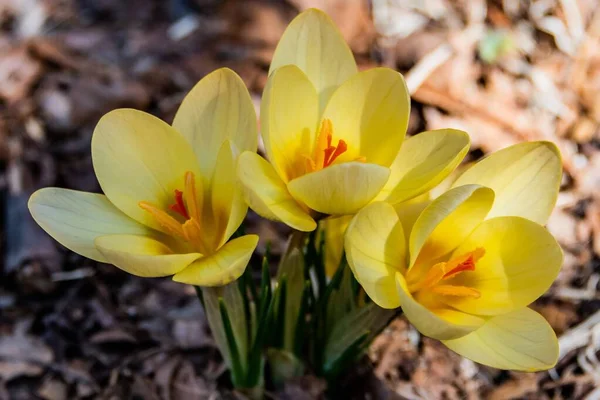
171,201
466,268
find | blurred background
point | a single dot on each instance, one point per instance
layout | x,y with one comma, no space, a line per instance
505,71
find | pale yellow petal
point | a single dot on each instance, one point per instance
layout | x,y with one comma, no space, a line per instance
142,255
441,324
340,189
521,261
267,195
313,43
376,251
521,340
222,267
447,222
525,177
409,211
289,117
423,162
227,206
137,157
75,219
334,228
218,108
370,112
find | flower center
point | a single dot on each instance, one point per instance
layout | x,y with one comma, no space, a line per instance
435,279
324,152
186,207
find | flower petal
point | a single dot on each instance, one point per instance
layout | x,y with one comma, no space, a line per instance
521,261
376,251
142,256
314,44
267,195
521,340
334,229
340,189
227,205
289,117
222,267
218,108
447,222
423,162
75,219
370,112
137,157
525,177
441,324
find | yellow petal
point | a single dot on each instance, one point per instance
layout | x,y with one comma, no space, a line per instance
222,267
370,112
521,340
75,219
218,108
142,256
521,261
423,162
228,207
334,229
447,222
138,157
441,324
376,251
340,189
525,177
289,117
267,195
313,43
409,211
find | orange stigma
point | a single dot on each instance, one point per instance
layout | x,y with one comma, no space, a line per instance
186,205
179,206
443,271
324,152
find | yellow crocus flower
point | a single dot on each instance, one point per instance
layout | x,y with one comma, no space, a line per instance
465,270
171,200
332,135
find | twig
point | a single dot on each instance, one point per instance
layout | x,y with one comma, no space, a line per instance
578,336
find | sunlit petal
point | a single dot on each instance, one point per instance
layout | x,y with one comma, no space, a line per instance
376,251
137,157
267,194
525,177
75,219
521,261
289,118
218,108
142,256
447,222
521,340
313,43
441,324
370,112
225,266
423,162
340,189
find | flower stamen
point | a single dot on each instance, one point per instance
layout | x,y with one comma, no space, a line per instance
187,206
443,271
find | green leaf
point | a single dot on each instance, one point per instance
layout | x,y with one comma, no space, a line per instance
292,268
347,336
300,333
237,367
